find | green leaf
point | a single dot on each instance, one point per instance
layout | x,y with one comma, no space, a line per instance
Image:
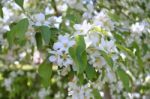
125,49
96,94
20,2
72,52
80,44
138,55
125,78
45,72
74,16
0,48
38,38
81,80
1,11
119,38
141,63
82,60
10,38
100,30
90,72
79,54
135,46
46,34
17,32
107,58
145,48
21,28
114,17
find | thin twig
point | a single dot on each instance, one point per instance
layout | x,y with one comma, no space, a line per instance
53,3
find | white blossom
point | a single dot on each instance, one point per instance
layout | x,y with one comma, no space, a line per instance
88,14
79,92
40,19
60,53
107,46
102,20
82,29
43,93
37,58
77,4
55,21
137,28
96,59
7,84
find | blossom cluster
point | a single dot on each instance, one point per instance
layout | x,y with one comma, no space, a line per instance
83,49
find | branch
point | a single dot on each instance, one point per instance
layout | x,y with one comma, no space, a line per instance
53,3
107,92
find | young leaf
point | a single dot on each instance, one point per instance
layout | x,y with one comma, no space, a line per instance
45,72
100,30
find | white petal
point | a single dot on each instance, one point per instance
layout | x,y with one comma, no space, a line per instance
77,26
52,58
69,61
71,43
59,62
57,45
64,39
40,17
59,19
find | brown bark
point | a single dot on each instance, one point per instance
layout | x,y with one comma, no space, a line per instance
107,92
